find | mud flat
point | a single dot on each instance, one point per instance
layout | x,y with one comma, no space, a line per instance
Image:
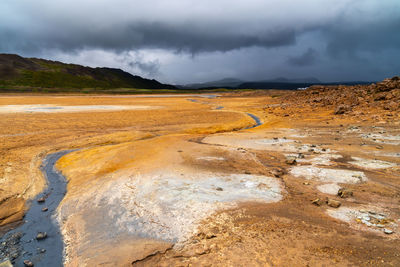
187,185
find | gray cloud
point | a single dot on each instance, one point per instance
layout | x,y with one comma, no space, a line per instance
306,59
205,39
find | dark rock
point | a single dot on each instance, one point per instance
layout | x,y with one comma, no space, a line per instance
291,160
317,202
41,250
277,172
219,189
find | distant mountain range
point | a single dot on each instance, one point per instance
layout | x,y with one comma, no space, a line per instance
278,83
19,72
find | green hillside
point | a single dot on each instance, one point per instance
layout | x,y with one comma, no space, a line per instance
32,74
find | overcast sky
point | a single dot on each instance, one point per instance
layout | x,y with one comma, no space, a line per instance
184,41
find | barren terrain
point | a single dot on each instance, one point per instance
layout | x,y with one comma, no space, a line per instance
262,178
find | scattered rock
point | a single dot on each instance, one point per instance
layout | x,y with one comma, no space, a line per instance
333,203
41,235
342,109
345,192
291,160
28,263
41,250
317,202
45,209
277,172
41,200
10,247
219,189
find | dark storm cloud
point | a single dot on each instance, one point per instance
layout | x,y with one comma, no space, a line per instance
188,26
343,34
308,58
348,39
185,36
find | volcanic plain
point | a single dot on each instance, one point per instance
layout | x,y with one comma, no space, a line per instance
252,178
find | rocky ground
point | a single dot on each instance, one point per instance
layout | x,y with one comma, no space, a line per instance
191,183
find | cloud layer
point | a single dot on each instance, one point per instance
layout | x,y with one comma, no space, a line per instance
183,41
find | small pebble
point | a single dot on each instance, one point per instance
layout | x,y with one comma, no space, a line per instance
387,231
41,235
28,263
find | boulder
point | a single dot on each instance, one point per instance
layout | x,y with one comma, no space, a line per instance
333,203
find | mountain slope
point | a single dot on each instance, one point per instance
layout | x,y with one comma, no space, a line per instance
16,71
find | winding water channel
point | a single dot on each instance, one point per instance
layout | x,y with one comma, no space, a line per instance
48,251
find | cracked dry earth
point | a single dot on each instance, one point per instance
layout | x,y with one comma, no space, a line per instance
191,183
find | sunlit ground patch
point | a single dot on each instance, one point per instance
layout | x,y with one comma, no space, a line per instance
319,159
383,139
331,189
168,206
371,163
271,144
61,109
328,175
